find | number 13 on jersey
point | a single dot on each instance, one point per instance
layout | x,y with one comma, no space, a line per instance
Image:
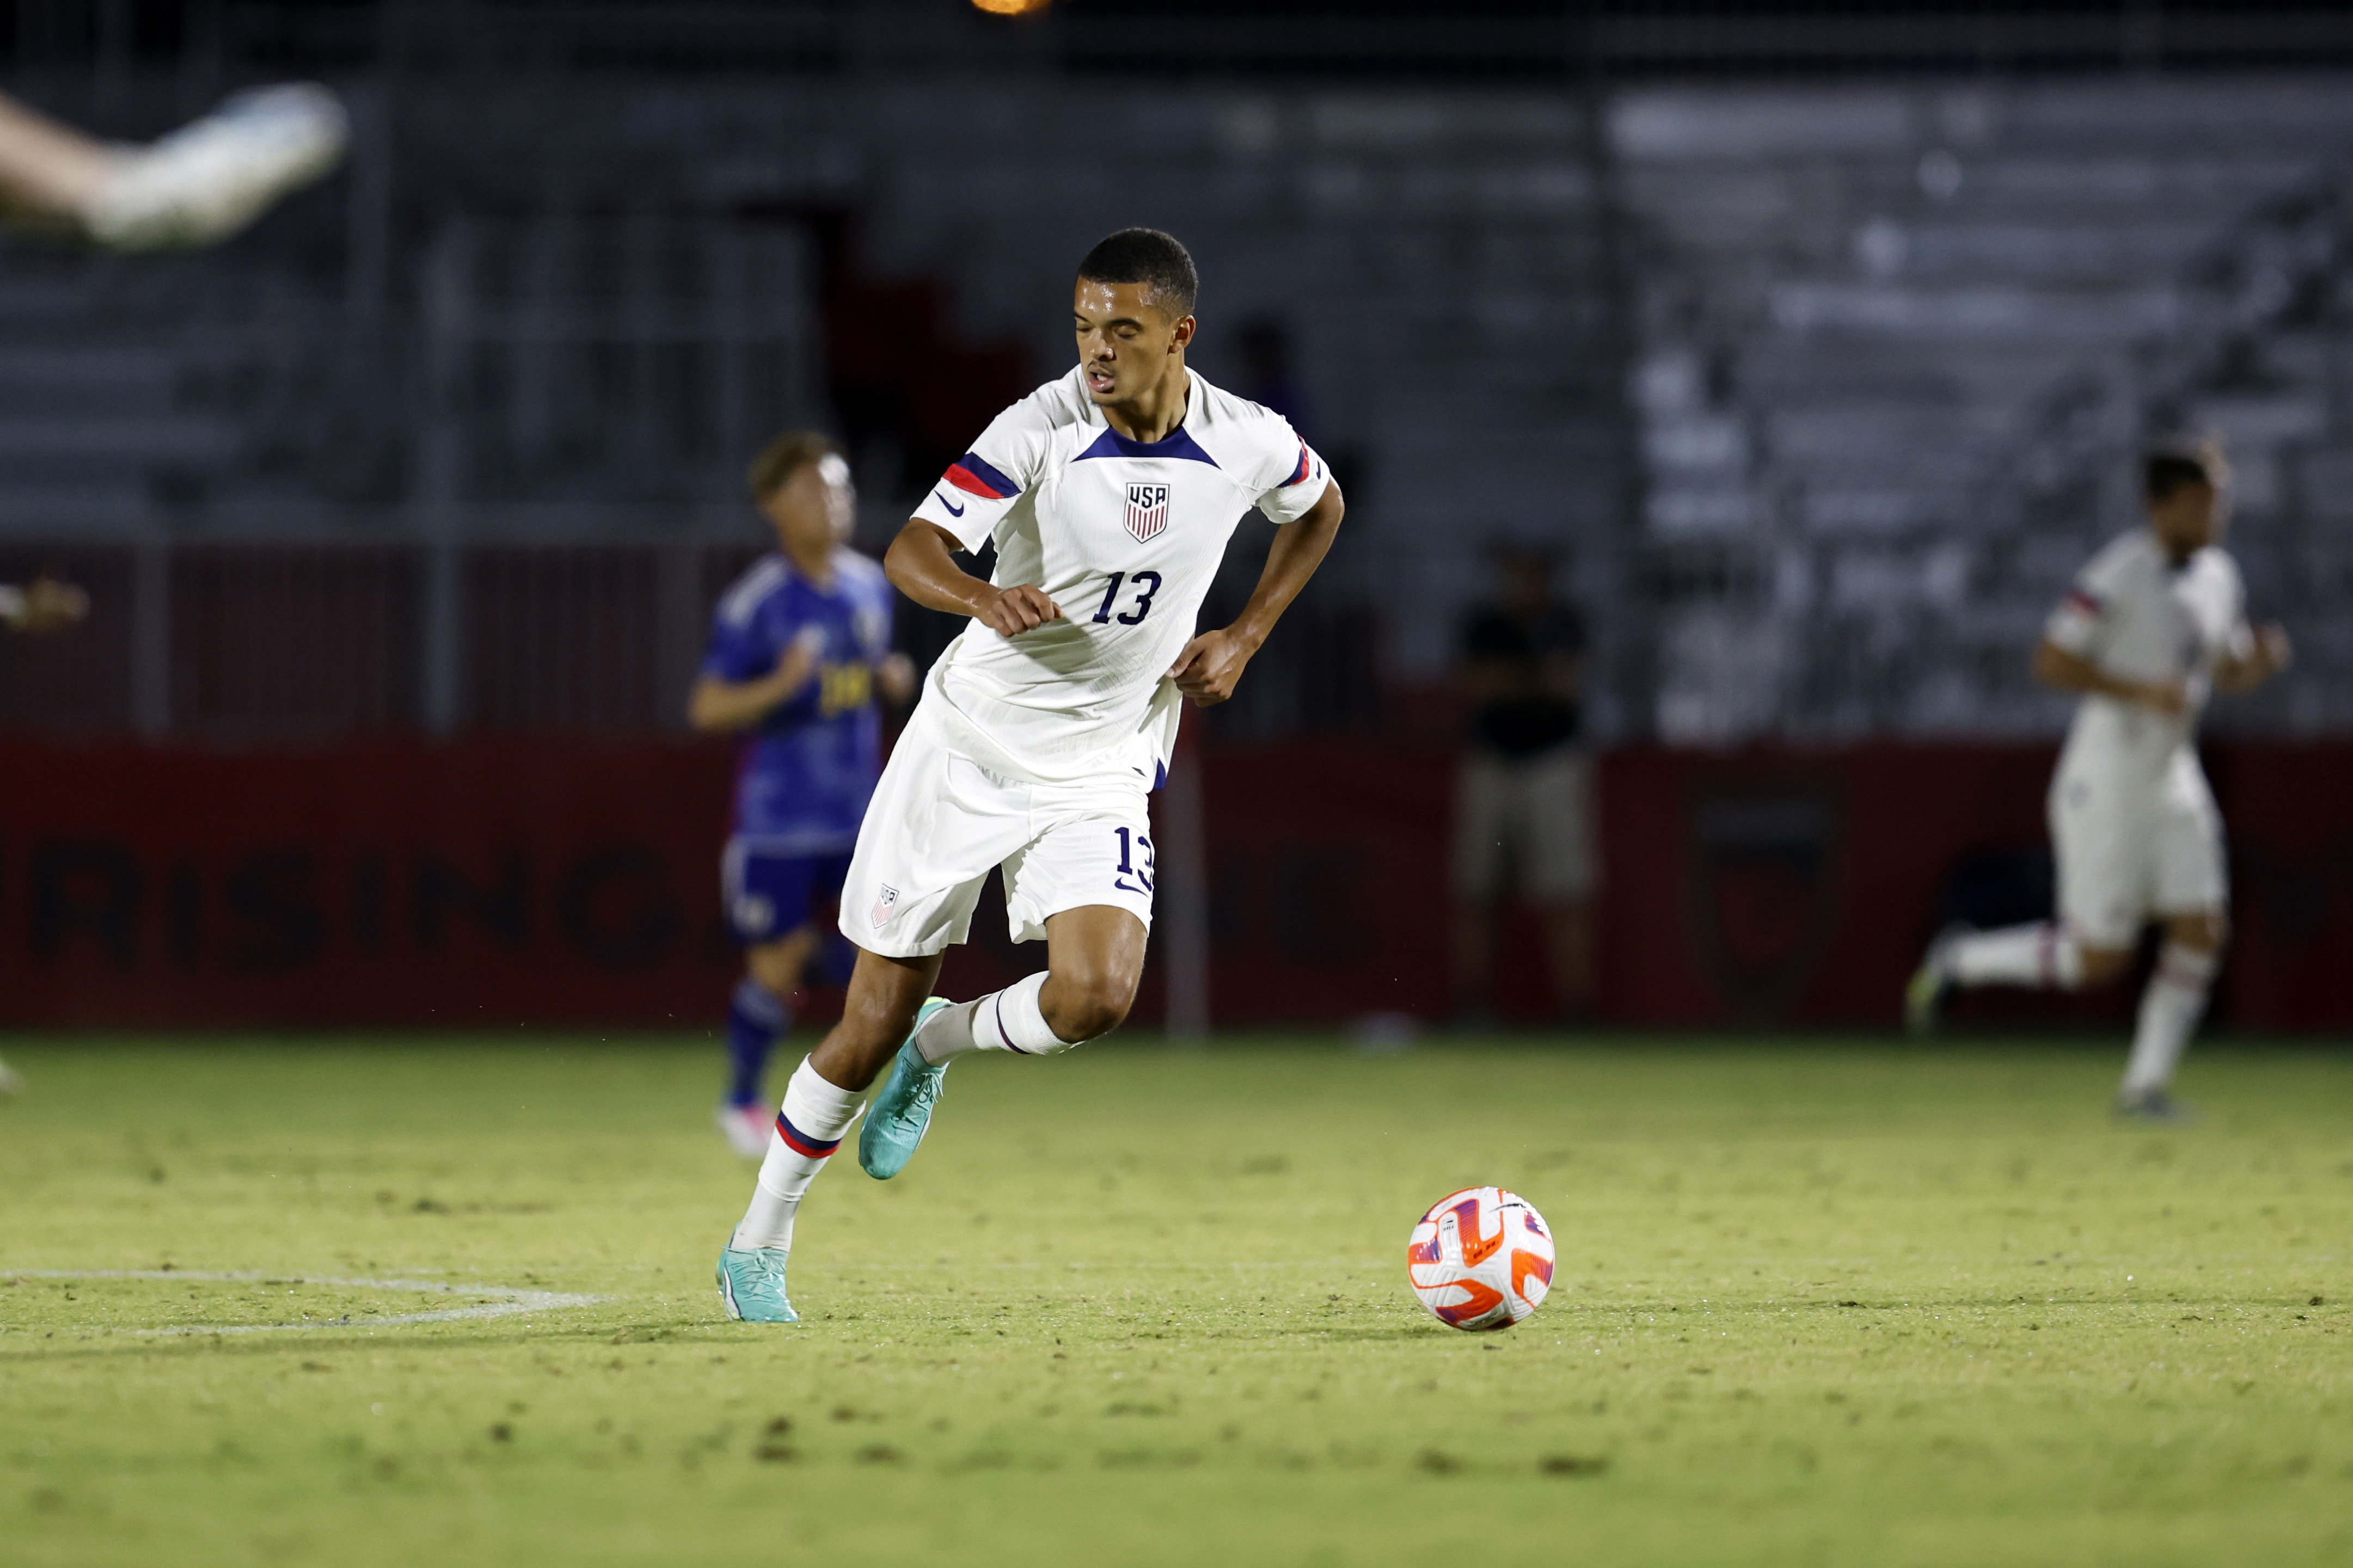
1143,585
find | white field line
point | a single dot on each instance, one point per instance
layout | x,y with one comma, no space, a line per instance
511,1300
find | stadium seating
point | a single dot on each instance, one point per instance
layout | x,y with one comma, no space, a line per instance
1901,346
1828,391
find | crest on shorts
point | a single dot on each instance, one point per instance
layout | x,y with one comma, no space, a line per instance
886,906
1147,511
1761,894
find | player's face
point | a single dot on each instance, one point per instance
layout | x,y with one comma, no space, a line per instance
2188,520
813,509
1127,344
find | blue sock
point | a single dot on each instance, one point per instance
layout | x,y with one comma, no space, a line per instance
754,1019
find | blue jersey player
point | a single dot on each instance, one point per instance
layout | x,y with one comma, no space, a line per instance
801,650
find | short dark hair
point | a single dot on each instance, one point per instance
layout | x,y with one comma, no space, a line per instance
783,457
1148,256
2165,472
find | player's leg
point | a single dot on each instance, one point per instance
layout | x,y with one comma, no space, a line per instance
47,168
2101,850
758,1012
930,837
936,826
765,898
1085,884
820,1103
2192,899
195,186
1094,959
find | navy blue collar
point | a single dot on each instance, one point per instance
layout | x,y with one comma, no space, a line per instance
1178,443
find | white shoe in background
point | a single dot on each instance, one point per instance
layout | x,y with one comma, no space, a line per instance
748,1128
213,176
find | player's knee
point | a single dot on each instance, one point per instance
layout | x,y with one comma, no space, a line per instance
2207,931
2104,966
1081,1006
776,966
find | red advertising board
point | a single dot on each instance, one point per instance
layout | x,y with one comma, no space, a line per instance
495,882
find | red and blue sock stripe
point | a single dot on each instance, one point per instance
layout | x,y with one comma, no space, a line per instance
801,1144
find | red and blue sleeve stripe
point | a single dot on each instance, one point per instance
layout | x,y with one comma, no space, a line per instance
2083,603
1299,473
801,1144
971,474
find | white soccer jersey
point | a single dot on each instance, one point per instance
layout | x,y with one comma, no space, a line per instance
1124,536
2137,616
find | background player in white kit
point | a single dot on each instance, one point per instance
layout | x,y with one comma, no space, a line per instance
2153,626
1109,495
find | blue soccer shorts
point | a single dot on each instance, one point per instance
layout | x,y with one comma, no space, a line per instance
768,895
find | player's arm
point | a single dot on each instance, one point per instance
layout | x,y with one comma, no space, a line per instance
719,705
1213,662
2056,667
921,564
2260,656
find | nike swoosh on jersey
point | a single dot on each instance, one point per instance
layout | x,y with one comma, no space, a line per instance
954,510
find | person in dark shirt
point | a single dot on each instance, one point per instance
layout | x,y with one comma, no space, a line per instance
1523,813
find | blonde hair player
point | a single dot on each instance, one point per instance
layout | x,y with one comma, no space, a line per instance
2154,626
1110,494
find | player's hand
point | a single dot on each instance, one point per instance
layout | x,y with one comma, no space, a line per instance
1210,666
1020,608
2170,698
2272,649
50,605
896,676
795,665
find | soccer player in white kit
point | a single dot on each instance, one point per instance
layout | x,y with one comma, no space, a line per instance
2154,625
1110,494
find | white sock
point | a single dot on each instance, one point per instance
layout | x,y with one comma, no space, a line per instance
808,1129
1007,1020
2041,955
2170,1010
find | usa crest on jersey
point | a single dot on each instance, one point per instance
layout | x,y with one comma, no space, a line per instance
1147,511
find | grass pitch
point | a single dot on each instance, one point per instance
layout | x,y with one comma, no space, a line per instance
1819,1304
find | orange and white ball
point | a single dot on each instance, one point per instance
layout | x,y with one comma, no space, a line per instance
1480,1259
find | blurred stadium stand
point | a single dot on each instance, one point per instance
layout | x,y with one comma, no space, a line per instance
1900,346
1820,338
1826,385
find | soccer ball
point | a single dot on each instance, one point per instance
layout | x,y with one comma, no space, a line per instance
1480,1259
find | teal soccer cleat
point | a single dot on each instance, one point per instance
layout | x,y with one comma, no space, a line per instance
751,1283
899,1115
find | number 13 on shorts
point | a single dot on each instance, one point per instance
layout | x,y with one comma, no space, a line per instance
1137,861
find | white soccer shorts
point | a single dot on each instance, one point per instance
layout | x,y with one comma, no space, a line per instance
940,821
2129,850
